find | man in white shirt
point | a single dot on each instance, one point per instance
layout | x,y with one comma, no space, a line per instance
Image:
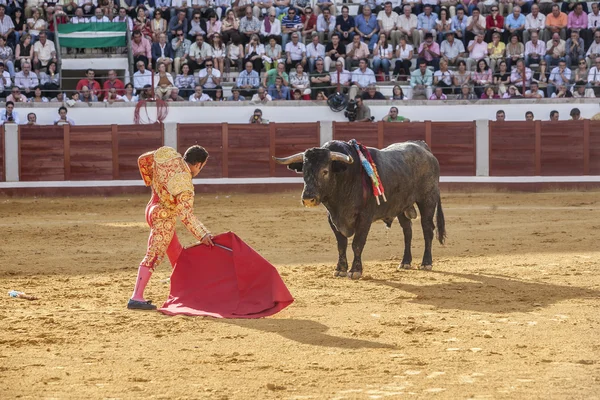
594,49
388,24
361,78
478,49
43,52
200,52
123,17
261,96
5,81
62,117
7,27
534,22
325,25
295,53
452,50
79,18
142,77
209,78
26,80
594,19
407,26
87,5
345,77
594,76
534,92
534,50
314,50
198,96
99,16
560,75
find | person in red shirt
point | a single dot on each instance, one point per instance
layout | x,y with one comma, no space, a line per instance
90,82
309,21
113,82
494,22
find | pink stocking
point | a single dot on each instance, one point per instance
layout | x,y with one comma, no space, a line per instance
174,250
143,277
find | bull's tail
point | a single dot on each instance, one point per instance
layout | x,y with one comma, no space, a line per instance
440,221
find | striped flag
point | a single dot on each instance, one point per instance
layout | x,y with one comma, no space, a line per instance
93,35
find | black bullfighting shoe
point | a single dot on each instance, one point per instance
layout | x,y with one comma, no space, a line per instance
140,305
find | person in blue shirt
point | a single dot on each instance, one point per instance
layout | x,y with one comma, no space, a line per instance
289,24
459,24
278,91
367,27
514,24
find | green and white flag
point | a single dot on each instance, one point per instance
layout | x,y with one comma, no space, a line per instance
93,35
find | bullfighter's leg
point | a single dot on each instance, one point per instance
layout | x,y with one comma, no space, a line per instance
406,225
358,244
342,244
427,210
174,250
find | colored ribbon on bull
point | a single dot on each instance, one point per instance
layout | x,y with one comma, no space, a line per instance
371,169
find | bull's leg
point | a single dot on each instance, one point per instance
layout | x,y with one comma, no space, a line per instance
358,244
427,210
342,244
406,225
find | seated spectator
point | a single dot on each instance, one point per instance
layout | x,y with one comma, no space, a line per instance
594,49
290,25
279,91
514,24
163,82
542,75
15,96
174,96
421,80
319,79
123,17
512,93
271,28
249,26
404,55
255,53
43,52
388,23
31,119
594,77
113,82
397,93
213,26
111,96
580,90
37,96
382,57
443,78
345,25
36,24
295,52
462,76
555,50
261,96
452,50
482,77
272,55
262,8
577,20
197,26
198,96
489,93
478,50
562,92
361,78
162,52
7,56
24,51
535,50
496,51
9,115
209,78
181,49
230,28
321,96
26,80
99,16
574,49
560,75
235,95
516,76
334,52
515,51
494,23
89,81
392,116
19,22
427,22
438,94
185,82
475,25
372,93
309,22
314,50
443,25
297,94
140,47
323,5
325,26
556,23
429,52
62,117
142,77
129,96
6,82
341,76
87,96
534,92
581,72
142,23
502,78
459,25
248,81
367,27
299,80
466,94
235,56
158,25
200,52
535,22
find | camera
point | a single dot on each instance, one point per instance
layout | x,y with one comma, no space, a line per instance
351,111
256,119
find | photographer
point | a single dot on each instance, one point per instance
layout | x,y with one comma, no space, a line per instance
257,118
9,116
357,111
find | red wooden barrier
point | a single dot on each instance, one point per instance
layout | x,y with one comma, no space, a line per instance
209,136
512,148
593,153
248,150
395,132
2,160
134,140
42,153
91,152
561,150
365,132
290,139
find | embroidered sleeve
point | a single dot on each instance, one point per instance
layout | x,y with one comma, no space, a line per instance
180,182
185,209
146,166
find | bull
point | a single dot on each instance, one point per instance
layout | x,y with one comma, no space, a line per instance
334,177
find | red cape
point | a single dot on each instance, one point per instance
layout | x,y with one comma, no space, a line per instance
235,283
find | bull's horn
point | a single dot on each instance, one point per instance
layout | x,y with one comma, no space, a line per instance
290,160
335,156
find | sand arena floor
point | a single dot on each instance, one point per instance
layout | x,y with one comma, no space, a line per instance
511,310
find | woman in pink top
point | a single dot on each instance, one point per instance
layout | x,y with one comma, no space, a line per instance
481,77
213,25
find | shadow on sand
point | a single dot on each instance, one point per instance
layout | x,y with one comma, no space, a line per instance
489,293
306,332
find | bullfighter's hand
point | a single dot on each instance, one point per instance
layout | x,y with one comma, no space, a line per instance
207,240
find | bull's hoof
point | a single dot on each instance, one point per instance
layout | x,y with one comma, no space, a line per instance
340,274
426,267
354,275
404,266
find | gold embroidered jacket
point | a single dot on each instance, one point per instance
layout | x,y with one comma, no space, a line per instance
171,181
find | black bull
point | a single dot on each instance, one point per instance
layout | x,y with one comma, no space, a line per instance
333,175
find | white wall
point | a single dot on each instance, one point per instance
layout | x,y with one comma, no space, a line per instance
305,111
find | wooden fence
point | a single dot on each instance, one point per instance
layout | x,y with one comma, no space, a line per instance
564,148
2,157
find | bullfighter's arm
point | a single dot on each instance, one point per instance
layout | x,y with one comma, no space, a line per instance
146,166
181,188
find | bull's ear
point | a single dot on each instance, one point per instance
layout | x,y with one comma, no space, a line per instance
297,167
338,166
